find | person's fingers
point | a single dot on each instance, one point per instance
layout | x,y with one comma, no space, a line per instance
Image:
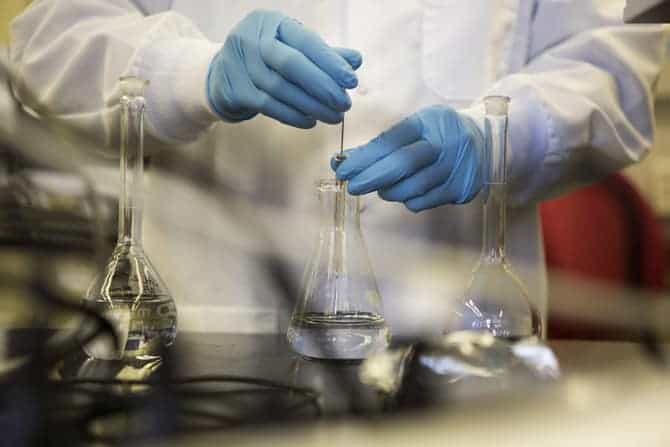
426,179
415,185
269,106
440,195
403,133
335,163
352,56
336,160
458,165
398,165
358,159
462,186
282,90
296,68
316,50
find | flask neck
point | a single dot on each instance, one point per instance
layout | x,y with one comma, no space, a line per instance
495,178
493,238
132,169
339,209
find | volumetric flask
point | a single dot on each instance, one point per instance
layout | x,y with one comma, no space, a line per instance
129,292
496,299
339,312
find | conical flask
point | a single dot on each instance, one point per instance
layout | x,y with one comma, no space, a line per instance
496,299
129,291
339,312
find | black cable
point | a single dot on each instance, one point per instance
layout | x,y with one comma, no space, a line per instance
122,404
57,353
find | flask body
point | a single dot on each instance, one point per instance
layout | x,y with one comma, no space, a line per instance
339,312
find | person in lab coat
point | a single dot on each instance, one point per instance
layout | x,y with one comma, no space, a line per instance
237,84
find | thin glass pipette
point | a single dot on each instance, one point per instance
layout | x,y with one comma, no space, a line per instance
339,215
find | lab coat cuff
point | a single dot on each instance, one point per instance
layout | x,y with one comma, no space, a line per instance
476,113
530,135
178,110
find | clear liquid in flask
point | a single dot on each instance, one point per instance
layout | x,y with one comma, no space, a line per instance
338,315
143,327
341,336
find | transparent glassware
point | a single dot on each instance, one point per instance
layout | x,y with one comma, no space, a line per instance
129,291
339,313
496,299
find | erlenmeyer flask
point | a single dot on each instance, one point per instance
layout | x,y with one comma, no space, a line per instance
496,299
129,291
339,313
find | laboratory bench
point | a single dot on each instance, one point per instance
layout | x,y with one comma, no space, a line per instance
596,377
601,382
268,356
609,393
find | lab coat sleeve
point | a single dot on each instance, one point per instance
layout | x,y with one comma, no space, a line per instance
69,55
582,109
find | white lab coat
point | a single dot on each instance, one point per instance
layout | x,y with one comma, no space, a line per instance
581,87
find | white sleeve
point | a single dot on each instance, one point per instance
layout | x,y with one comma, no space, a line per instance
68,56
582,108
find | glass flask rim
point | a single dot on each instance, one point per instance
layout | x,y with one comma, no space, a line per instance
330,185
133,85
134,79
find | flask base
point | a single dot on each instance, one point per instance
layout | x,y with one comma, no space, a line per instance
512,319
144,328
340,336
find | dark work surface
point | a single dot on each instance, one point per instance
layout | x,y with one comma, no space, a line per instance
249,356
269,357
222,403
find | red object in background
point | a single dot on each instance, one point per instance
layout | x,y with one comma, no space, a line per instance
606,231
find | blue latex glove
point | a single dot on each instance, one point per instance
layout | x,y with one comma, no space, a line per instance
429,159
273,65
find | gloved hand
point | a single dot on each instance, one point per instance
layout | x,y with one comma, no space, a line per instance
273,65
429,159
